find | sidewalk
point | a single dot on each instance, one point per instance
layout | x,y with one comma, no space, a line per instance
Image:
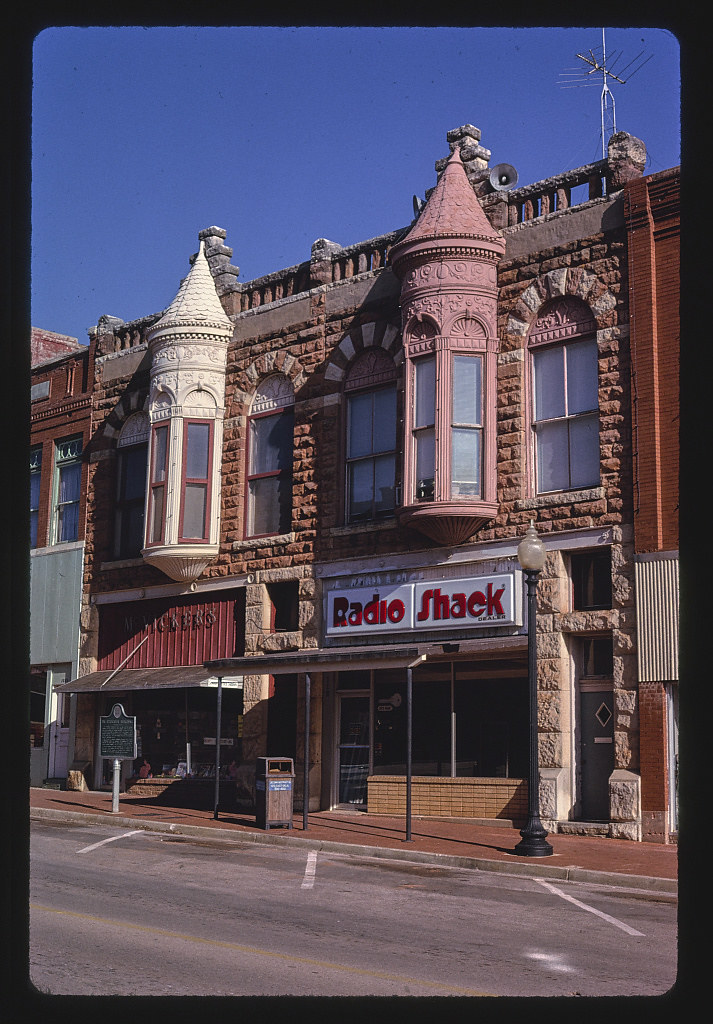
452,843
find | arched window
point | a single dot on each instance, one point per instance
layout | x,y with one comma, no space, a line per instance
371,437
565,397
270,458
132,455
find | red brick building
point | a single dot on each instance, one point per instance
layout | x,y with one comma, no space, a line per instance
61,406
653,227
322,476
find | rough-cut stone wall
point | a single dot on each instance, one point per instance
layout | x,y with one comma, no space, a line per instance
311,338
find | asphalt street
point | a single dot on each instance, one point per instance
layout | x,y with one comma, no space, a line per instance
126,911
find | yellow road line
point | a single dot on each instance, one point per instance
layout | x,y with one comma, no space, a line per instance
452,989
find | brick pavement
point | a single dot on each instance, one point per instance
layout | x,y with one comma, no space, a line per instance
488,846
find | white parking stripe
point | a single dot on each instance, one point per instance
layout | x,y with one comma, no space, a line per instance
591,910
111,840
310,870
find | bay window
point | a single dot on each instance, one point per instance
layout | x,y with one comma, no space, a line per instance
424,427
196,474
449,466
467,427
159,474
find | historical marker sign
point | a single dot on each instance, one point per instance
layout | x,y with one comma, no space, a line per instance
117,734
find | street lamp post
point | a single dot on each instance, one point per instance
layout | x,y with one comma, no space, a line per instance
531,555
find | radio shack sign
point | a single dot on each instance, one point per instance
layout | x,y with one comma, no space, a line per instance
438,604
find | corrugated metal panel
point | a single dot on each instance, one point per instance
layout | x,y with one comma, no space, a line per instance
657,604
186,631
55,602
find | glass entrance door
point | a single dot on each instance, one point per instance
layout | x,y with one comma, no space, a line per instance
353,749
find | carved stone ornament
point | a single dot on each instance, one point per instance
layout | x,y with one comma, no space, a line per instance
274,392
565,318
420,327
467,327
374,366
135,430
461,271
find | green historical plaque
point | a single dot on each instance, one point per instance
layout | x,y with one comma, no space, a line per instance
117,734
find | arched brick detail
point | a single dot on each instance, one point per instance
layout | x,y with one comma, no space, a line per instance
266,364
134,401
566,282
360,337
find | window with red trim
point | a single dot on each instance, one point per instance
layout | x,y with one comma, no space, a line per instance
195,487
159,473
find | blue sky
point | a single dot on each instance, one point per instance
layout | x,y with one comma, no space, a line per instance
142,137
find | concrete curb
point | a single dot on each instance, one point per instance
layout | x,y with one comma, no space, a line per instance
538,869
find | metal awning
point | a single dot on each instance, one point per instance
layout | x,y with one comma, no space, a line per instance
308,659
345,659
142,679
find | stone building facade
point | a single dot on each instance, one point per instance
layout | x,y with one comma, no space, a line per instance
338,462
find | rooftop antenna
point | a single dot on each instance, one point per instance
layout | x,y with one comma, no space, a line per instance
598,66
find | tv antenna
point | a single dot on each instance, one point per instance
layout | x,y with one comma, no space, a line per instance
577,77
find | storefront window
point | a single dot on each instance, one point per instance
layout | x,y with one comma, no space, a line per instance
168,720
484,720
491,727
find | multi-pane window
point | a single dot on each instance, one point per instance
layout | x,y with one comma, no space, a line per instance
67,488
35,477
159,471
424,427
271,438
371,453
566,415
196,474
467,427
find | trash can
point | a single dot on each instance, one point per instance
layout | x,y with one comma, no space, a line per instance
274,786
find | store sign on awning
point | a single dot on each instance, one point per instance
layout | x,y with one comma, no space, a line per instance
438,604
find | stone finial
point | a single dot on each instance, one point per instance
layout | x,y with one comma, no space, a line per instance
451,212
320,269
626,156
475,157
323,249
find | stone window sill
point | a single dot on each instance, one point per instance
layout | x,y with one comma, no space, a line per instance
374,524
263,542
560,498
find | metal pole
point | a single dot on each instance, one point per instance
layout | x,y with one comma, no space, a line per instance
115,786
409,737
217,747
533,842
305,798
